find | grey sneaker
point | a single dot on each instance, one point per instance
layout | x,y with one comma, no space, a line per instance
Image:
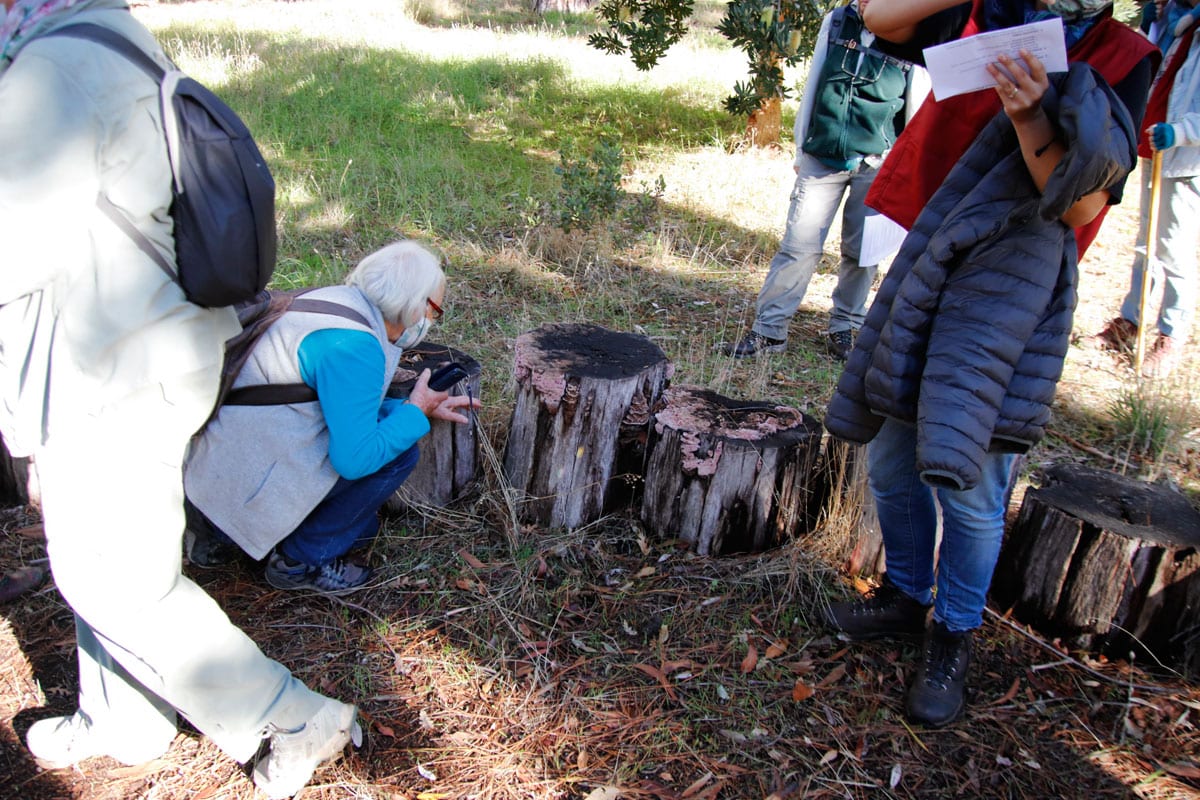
839,343
294,755
337,577
60,742
754,343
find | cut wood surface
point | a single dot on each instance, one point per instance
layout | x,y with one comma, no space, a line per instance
728,475
1106,563
577,437
449,462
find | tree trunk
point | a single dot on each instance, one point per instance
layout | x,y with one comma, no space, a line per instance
449,461
1107,563
577,438
728,476
569,6
764,126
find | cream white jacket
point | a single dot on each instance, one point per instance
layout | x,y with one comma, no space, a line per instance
86,319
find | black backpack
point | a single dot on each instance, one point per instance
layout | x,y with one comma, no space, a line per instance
224,196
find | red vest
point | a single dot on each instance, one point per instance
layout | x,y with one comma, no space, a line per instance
941,132
1160,92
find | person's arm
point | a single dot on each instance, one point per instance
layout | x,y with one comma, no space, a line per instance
804,113
1021,86
49,140
345,367
898,20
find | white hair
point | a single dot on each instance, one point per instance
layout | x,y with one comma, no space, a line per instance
399,279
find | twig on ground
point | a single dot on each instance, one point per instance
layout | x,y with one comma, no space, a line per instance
1069,659
1087,448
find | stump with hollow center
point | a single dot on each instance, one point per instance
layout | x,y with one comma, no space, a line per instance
449,463
577,437
1105,562
726,475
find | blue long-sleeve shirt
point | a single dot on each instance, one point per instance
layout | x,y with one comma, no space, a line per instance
344,367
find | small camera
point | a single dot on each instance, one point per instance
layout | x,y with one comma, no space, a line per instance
445,377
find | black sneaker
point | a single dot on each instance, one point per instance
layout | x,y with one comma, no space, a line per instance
754,343
204,545
839,343
936,697
335,578
884,613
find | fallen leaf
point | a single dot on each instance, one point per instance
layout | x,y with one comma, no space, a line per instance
385,729
1010,694
777,649
139,770
472,561
604,793
645,572
833,677
829,756
1190,771
802,691
426,773
697,785
465,584
894,780
751,660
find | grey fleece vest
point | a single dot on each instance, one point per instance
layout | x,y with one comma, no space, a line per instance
257,471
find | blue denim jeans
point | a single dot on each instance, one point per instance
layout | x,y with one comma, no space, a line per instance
972,527
349,514
817,193
1174,266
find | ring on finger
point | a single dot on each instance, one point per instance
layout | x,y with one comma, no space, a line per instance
1013,92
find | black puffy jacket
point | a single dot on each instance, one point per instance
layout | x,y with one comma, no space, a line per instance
968,333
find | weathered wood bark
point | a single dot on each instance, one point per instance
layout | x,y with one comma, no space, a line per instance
728,476
18,483
1106,562
449,462
577,438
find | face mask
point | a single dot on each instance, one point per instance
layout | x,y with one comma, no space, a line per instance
413,334
1072,10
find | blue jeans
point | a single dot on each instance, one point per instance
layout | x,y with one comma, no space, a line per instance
1174,254
817,193
349,514
972,527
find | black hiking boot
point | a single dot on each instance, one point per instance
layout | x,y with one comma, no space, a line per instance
884,613
936,697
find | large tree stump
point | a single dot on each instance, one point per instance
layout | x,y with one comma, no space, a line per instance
577,438
728,476
1105,562
449,461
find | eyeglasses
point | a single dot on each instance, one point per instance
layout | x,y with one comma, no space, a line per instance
437,310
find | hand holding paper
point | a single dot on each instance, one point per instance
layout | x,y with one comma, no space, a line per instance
960,66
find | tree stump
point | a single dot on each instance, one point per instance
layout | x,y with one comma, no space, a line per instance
728,476
1106,562
18,480
577,438
449,461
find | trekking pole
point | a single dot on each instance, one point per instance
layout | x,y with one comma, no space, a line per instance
1151,238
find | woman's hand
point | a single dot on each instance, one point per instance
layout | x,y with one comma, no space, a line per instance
439,405
1021,85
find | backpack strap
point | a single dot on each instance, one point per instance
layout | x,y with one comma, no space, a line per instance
256,317
114,41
